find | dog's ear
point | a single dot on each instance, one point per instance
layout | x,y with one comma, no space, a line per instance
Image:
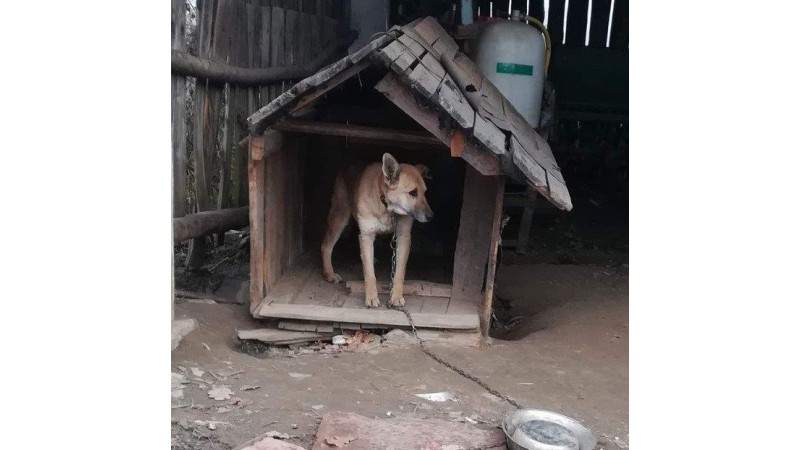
391,169
424,171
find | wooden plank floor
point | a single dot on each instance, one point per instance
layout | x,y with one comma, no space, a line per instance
302,294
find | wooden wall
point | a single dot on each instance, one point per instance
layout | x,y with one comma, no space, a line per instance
283,205
252,33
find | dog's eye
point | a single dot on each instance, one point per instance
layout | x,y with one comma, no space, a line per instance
413,193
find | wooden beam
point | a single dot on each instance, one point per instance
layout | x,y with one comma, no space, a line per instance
486,309
193,66
208,222
359,131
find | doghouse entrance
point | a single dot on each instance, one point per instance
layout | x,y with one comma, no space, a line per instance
300,294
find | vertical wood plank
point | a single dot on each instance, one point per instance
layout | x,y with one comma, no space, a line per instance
279,210
497,217
223,48
201,108
525,222
597,35
245,103
276,46
253,16
308,37
178,85
289,42
300,197
266,34
555,21
619,27
269,223
178,115
205,124
537,9
255,180
315,32
576,23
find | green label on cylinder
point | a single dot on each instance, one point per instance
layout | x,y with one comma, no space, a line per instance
514,69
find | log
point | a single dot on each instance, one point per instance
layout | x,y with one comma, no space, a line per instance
209,222
193,66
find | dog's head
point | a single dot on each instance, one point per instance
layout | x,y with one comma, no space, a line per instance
405,188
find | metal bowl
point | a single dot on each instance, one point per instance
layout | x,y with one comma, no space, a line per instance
534,429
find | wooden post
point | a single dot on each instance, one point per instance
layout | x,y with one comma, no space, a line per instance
255,182
486,311
525,221
473,244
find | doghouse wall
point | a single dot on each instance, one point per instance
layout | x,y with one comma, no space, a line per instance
283,193
433,243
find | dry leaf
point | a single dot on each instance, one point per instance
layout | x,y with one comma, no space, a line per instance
358,338
339,441
249,388
220,393
197,372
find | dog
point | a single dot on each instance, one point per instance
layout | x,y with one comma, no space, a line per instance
383,198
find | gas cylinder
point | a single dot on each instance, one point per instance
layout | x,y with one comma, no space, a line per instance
511,54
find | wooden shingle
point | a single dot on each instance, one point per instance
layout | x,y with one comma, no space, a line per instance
451,99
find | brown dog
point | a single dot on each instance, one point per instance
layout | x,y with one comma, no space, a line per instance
382,198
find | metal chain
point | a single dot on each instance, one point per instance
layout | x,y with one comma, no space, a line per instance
428,352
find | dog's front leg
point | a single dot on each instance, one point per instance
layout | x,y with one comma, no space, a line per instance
403,233
367,242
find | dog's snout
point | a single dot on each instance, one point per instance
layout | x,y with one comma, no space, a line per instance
426,215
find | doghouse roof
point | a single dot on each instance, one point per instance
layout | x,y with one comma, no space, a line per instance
484,125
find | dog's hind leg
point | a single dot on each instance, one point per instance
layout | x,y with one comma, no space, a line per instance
338,218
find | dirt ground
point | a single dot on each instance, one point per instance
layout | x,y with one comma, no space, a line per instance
568,354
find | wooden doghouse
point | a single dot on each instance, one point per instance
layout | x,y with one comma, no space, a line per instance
453,111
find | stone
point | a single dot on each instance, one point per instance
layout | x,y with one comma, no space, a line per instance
180,328
405,433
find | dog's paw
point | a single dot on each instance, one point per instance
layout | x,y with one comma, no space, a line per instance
397,302
332,278
373,302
